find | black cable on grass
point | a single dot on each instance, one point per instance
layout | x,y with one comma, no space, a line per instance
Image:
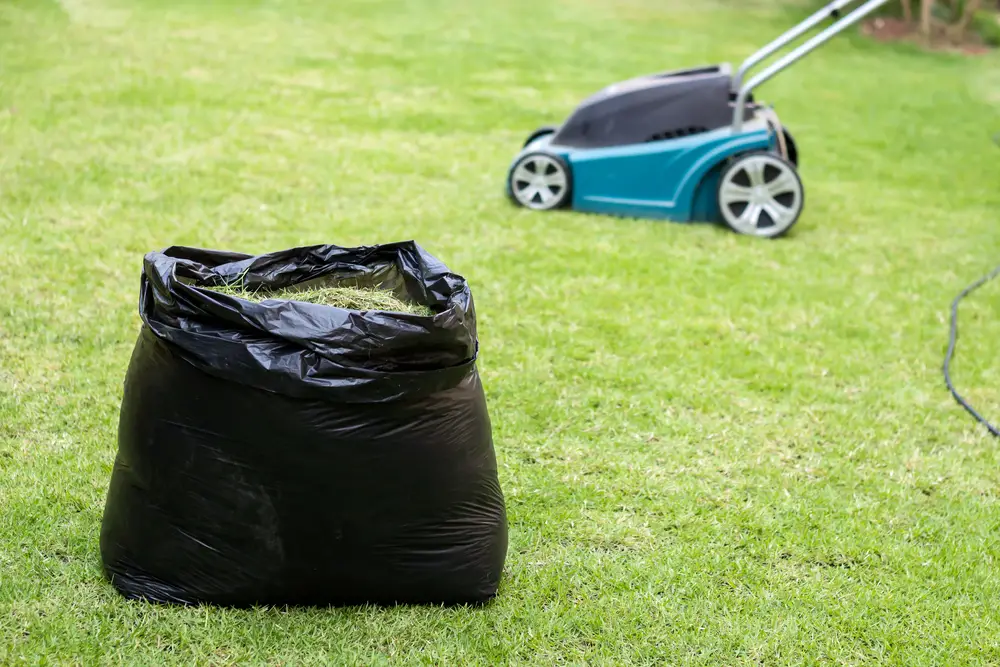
953,337
951,349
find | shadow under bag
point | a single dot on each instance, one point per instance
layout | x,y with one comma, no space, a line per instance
284,452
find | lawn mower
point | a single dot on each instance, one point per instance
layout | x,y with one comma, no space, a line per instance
686,145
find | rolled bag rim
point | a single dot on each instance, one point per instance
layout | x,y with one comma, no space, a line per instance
208,329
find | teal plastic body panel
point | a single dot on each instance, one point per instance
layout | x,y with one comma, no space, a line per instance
673,179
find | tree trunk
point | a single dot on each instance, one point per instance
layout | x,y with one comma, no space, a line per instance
907,11
957,30
925,17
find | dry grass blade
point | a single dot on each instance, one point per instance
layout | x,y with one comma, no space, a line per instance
351,298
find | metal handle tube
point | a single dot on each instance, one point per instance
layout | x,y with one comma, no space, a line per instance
803,50
786,38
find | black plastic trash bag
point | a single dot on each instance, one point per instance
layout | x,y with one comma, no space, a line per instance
290,453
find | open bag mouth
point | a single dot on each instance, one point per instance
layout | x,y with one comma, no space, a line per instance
312,345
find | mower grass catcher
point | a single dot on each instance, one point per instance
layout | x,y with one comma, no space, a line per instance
285,452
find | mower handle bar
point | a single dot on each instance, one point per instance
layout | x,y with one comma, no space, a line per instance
786,38
743,89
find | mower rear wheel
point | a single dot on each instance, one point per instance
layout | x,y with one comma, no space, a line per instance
760,194
540,181
793,150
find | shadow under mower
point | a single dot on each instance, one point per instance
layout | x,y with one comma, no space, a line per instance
687,145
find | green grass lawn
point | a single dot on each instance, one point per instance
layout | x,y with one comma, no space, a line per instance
716,450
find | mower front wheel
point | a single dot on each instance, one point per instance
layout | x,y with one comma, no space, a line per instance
540,181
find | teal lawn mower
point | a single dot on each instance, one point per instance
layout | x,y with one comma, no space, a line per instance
687,145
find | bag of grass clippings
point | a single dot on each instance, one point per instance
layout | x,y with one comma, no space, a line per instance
304,427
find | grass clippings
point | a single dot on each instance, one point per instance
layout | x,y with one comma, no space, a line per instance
350,298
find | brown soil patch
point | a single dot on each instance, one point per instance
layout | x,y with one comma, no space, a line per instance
888,29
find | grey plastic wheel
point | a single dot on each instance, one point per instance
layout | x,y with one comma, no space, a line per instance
540,181
761,194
